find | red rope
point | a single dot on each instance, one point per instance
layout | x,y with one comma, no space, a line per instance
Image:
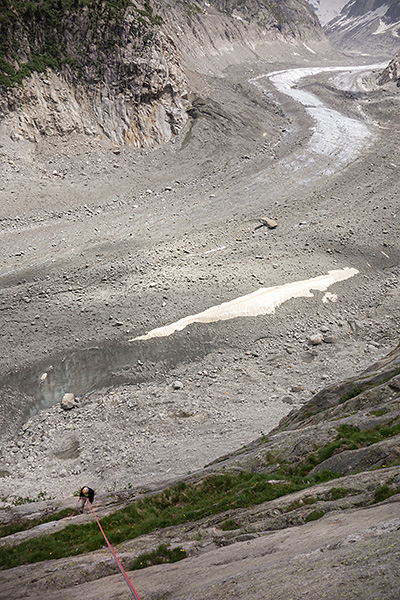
134,593
76,510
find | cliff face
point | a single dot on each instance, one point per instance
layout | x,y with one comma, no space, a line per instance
117,68
367,25
392,72
114,72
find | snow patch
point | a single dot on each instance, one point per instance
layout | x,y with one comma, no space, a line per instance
308,48
384,27
262,302
346,23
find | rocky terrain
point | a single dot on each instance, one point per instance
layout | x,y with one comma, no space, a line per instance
392,72
105,242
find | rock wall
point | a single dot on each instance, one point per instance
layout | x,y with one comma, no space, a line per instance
392,72
130,88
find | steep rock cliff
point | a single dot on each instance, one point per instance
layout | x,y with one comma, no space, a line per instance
112,72
118,68
392,72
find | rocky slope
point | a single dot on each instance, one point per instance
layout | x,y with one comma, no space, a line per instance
351,430
103,244
371,27
392,72
117,69
92,68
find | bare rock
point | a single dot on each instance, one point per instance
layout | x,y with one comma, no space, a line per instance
316,339
68,401
270,223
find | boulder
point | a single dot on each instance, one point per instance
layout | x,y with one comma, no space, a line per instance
68,401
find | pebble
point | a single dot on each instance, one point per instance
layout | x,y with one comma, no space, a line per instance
316,339
177,385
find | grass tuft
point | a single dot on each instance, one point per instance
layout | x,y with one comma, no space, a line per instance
162,555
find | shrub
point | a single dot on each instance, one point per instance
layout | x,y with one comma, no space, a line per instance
383,492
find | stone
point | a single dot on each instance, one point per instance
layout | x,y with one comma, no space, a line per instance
177,385
315,339
270,223
68,401
297,388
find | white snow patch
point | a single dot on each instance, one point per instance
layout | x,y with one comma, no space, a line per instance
308,48
384,27
261,302
329,297
215,250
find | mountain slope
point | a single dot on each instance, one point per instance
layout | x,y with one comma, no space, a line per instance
371,26
327,9
325,468
392,72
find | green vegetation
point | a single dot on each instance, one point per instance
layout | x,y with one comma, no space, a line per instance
336,493
33,35
163,554
182,503
25,525
333,494
27,499
351,437
193,501
314,515
383,492
229,525
379,413
352,393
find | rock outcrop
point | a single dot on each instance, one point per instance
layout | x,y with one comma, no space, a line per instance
115,73
392,72
332,466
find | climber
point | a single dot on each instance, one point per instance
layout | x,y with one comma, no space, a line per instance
85,494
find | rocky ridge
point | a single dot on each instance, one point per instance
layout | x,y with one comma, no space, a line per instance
392,72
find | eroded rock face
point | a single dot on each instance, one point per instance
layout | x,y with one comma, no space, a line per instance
392,72
150,110
118,75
